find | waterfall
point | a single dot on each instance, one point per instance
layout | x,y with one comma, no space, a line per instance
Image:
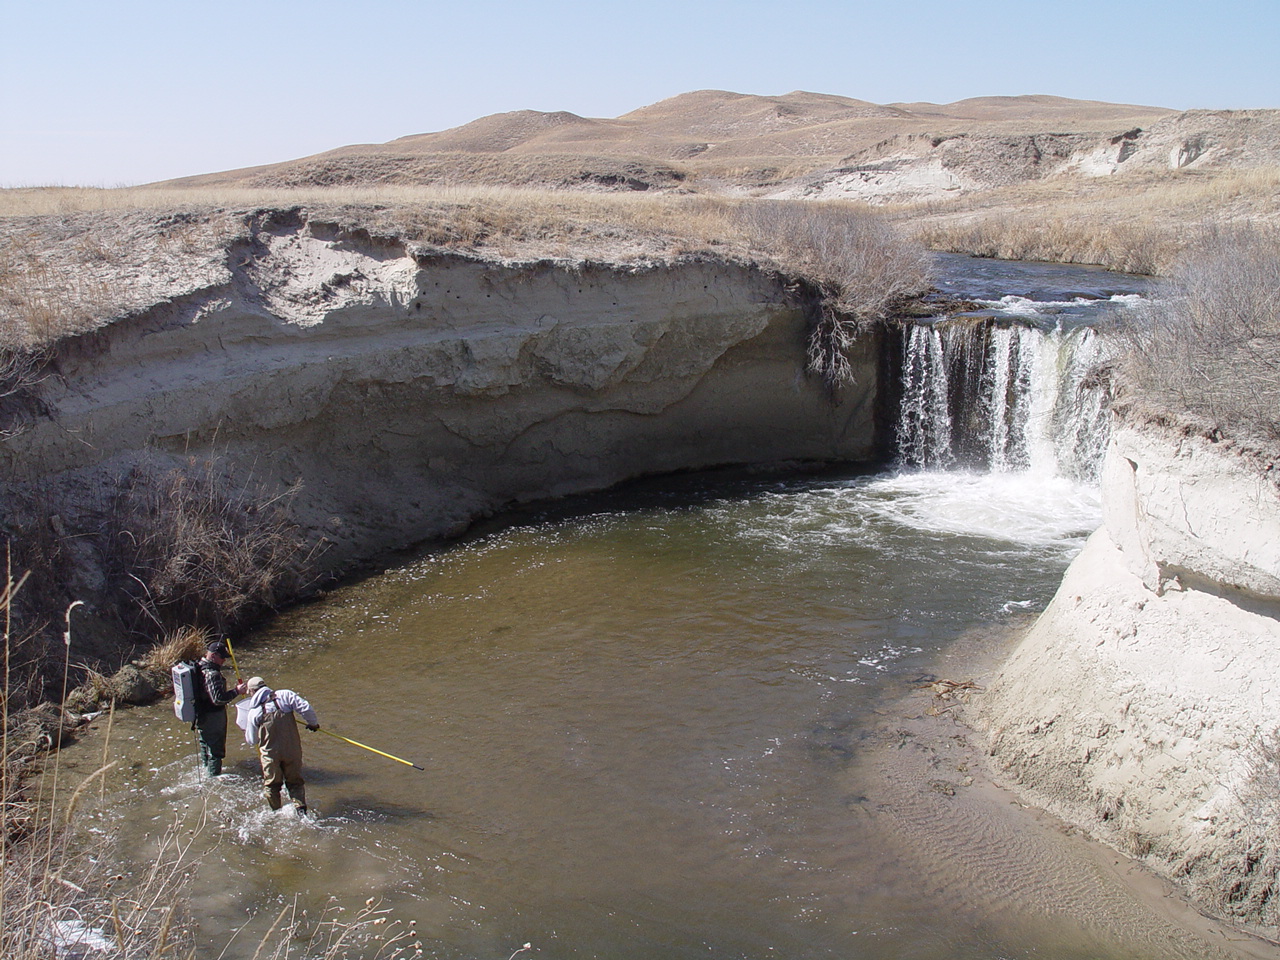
1004,397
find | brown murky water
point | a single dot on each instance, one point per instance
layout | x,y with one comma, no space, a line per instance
666,723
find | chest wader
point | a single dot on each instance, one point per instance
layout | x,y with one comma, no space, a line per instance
211,729
211,718
280,749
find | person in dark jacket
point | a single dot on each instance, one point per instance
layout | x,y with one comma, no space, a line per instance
211,708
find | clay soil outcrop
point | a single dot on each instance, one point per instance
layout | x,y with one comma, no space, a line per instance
1142,705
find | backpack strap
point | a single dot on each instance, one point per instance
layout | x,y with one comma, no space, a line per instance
262,717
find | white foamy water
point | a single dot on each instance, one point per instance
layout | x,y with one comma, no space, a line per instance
1027,509
1002,397
1054,313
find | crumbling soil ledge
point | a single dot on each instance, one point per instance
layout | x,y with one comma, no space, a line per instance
971,836
1141,705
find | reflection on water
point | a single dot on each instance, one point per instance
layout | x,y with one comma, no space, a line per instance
644,720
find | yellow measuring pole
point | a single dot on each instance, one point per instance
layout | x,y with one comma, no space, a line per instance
365,746
231,650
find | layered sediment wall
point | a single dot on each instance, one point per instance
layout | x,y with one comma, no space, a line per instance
412,391
1144,703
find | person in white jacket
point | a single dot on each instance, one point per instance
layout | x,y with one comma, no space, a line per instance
271,728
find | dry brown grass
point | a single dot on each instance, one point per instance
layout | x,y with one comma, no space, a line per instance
64,273
184,643
1137,224
35,307
831,243
554,172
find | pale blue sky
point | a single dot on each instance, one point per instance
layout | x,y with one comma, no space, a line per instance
127,91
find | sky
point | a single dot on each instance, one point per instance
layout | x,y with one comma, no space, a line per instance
118,92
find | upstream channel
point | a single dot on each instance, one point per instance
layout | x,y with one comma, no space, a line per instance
687,718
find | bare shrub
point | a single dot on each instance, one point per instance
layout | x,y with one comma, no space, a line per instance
195,547
22,370
1209,345
862,265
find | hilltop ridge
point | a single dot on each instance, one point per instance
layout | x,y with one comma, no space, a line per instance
724,142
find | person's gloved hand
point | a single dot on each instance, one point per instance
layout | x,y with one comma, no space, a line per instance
313,727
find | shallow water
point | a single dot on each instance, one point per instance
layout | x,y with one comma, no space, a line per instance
982,278
654,723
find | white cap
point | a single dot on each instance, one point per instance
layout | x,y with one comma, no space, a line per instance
255,683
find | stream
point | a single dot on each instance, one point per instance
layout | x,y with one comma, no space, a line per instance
688,717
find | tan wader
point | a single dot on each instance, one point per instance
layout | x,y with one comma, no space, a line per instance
280,749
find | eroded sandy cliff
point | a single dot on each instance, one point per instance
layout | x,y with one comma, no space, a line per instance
412,391
1143,704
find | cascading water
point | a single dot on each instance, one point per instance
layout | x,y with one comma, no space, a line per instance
1004,396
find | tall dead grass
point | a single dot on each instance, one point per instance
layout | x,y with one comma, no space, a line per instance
63,893
1130,247
1136,223
1209,345
56,898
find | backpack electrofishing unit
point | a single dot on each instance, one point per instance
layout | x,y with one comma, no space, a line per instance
186,682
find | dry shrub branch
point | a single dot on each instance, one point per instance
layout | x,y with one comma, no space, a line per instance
192,546
1210,344
862,266
22,370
